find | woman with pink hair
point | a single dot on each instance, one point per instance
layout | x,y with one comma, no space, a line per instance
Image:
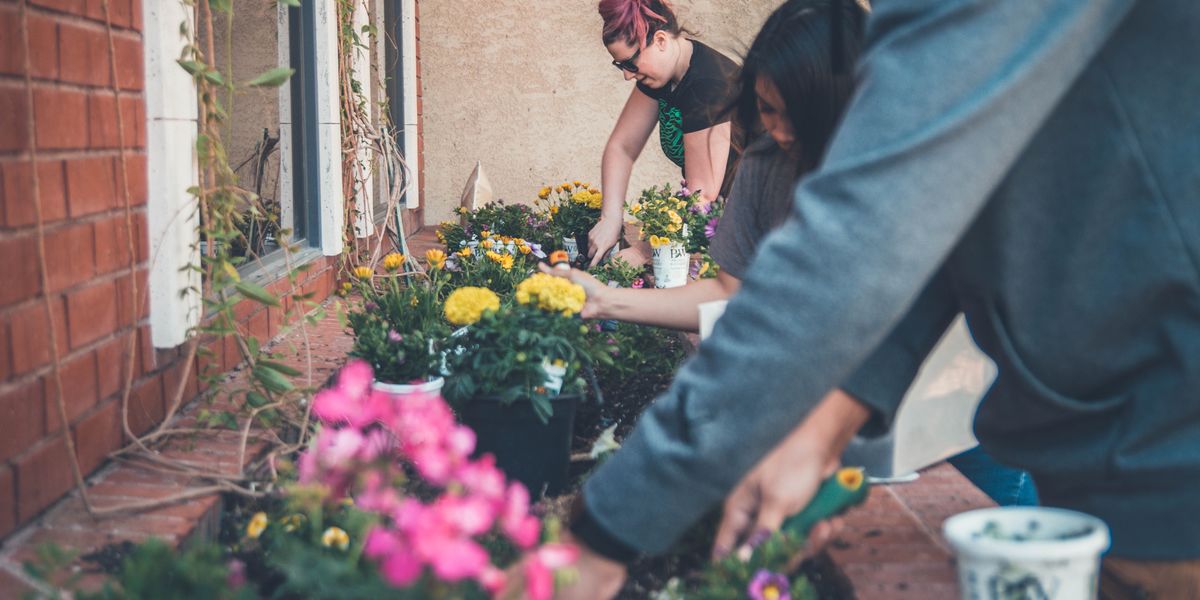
683,86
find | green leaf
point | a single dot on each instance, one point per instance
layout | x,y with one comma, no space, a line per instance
273,78
255,292
255,399
191,66
280,367
231,271
214,77
272,380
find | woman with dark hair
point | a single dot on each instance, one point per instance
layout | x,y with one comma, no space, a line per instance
683,87
789,94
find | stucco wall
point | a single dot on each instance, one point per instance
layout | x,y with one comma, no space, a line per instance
526,87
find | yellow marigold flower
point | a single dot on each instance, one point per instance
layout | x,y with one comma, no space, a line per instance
335,537
559,256
553,210
393,262
258,523
578,183
544,193
465,252
595,200
436,258
506,262
466,305
487,243
592,189
363,272
551,293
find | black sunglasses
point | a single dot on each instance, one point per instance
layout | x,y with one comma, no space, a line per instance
628,64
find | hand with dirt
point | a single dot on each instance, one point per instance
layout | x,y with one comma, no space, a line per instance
787,478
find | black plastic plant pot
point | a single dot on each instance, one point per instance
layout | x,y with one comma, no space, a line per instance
535,453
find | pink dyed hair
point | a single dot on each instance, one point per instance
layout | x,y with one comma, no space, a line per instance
634,20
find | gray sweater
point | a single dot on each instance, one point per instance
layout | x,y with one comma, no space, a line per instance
1032,163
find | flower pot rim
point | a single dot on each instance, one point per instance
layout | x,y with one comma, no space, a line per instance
961,532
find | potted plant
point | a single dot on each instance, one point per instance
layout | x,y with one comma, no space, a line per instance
1027,552
399,326
676,224
515,376
574,209
494,261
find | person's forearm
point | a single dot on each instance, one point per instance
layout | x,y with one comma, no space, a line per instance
615,168
674,308
833,422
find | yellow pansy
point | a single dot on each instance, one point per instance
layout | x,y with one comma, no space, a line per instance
258,523
335,537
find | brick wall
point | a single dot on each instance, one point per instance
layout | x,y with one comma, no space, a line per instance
90,279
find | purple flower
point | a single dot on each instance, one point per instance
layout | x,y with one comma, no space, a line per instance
710,230
371,306
537,250
637,283
394,336
769,586
683,188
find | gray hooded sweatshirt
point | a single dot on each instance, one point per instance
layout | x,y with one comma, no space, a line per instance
1034,164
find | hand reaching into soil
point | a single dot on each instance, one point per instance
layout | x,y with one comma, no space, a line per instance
787,478
603,237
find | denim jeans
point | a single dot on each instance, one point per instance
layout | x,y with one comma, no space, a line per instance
1005,485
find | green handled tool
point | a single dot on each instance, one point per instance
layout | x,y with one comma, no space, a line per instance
842,490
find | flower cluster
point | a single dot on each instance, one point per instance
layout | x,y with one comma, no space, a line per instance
466,305
682,217
574,207
551,293
367,439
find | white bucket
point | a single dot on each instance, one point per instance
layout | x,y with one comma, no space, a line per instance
401,389
670,262
1027,552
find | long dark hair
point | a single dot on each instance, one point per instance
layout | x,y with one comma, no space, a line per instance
798,51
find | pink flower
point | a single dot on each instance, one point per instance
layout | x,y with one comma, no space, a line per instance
459,558
237,574
482,478
638,283
493,580
769,586
515,521
539,569
710,230
351,401
469,515
400,567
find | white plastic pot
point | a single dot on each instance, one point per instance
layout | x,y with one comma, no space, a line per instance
401,389
1027,552
572,248
554,376
670,262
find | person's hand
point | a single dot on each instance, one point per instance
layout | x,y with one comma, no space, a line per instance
592,577
603,237
592,306
780,485
636,255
